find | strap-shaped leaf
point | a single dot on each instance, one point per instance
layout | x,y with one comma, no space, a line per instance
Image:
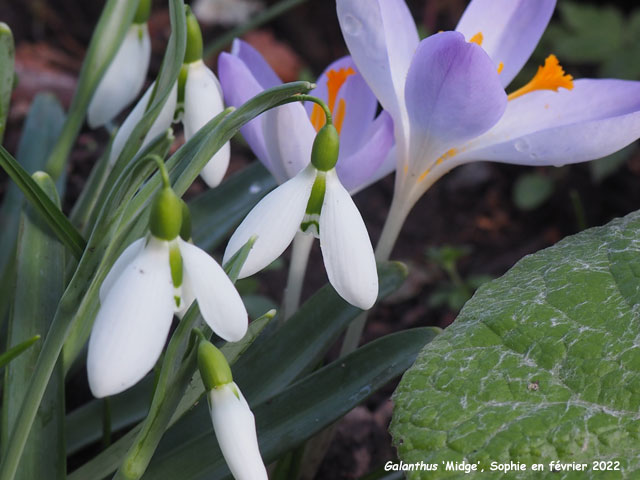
7,54
541,365
39,286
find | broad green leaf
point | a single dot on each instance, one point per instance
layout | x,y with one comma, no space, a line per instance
532,190
542,364
51,213
112,26
217,211
39,286
108,461
300,411
7,53
40,131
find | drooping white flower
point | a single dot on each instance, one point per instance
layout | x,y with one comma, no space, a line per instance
125,75
232,419
315,202
202,102
144,289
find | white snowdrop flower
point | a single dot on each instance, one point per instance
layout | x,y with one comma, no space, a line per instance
315,202
144,289
202,100
232,419
125,75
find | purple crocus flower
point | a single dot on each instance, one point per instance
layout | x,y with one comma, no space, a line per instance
447,96
282,137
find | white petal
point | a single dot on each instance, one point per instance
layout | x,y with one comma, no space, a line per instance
275,220
162,122
289,137
123,261
187,297
219,301
202,102
346,247
132,324
123,79
235,428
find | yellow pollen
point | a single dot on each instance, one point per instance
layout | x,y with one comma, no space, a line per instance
477,39
500,67
551,76
448,154
335,80
424,175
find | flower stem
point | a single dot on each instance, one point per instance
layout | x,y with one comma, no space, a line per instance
310,98
302,243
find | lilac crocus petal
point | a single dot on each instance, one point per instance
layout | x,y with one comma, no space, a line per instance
274,220
453,94
595,119
382,37
358,168
510,30
258,66
238,86
289,137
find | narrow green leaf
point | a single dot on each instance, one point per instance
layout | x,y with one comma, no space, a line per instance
300,411
236,262
61,226
106,463
112,26
39,286
7,54
15,351
40,131
541,365
217,211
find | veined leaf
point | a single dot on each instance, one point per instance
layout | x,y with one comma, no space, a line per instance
541,365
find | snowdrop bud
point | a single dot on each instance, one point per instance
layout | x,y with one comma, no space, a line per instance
193,52
143,12
326,146
165,221
185,229
214,368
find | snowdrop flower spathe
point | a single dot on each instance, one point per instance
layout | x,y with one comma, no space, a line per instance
314,202
145,287
125,76
232,419
282,137
447,99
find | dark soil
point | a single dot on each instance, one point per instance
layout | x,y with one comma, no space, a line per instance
471,206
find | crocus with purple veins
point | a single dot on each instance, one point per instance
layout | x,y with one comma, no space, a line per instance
447,96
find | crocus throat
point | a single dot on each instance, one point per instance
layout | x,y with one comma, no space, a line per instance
551,76
335,80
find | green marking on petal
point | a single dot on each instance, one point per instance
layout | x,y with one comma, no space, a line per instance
143,12
175,261
311,219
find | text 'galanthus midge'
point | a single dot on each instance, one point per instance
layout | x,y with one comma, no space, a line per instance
314,202
232,419
154,278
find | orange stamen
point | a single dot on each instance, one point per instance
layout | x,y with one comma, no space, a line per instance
477,39
335,80
500,67
551,76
